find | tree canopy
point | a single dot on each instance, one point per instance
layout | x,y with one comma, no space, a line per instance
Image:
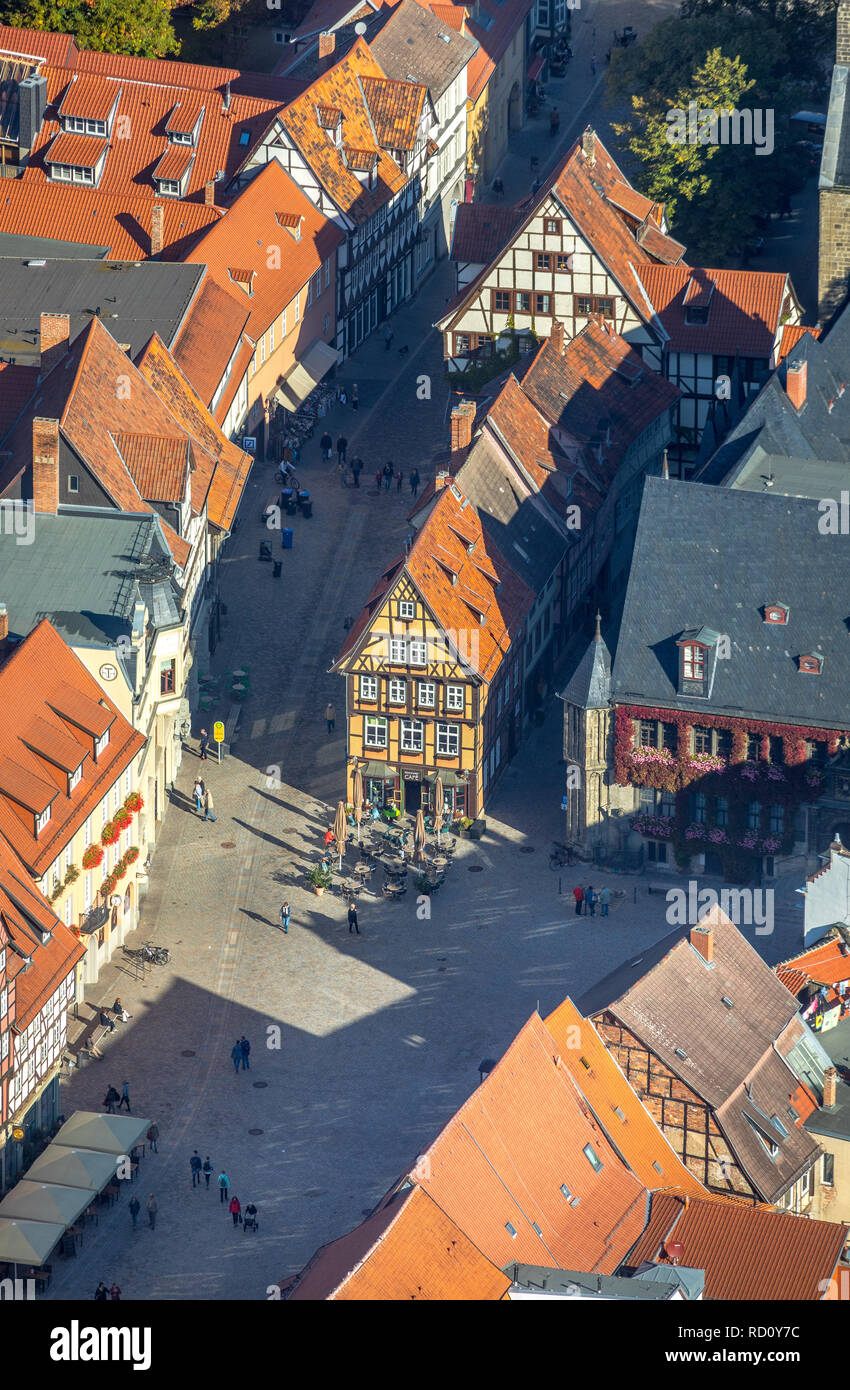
141,28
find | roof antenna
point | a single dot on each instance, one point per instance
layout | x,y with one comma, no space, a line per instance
665,471
597,637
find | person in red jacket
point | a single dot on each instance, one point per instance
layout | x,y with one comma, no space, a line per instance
235,1209
578,894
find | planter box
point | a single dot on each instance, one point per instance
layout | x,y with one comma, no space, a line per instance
477,829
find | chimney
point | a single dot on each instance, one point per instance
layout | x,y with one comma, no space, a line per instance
461,423
795,383
830,1088
440,480
702,939
842,34
157,223
45,465
588,145
209,193
225,98
327,45
665,467
54,331
556,337
32,101
4,632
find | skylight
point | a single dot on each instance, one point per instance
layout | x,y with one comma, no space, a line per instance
565,1191
592,1157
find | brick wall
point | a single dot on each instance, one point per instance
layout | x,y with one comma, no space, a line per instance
833,250
842,34
45,464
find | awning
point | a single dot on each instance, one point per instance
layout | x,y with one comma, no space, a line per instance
535,68
29,1242
306,374
97,918
111,1134
45,1201
450,779
378,770
80,1168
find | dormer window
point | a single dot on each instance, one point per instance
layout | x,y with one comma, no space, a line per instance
79,126
41,820
100,744
697,649
776,613
292,222
693,662
696,315
811,664
330,119
698,298
74,778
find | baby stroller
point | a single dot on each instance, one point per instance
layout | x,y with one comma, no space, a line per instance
250,1222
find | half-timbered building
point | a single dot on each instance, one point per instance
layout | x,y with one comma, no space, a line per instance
38,960
433,668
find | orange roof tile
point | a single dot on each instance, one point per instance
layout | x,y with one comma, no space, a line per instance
212,328
746,1252
23,908
32,682
500,1166
396,109
615,1106
743,315
81,150
516,420
157,466
89,98
791,335
250,238
827,963
409,1250
341,86
174,162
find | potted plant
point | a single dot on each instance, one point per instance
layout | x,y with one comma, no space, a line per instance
132,855
71,876
320,879
465,825
133,803
93,857
111,833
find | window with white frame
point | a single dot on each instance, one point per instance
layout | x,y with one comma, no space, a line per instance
116,796
87,891
68,855
4,1046
127,780
271,338
297,310
368,688
398,649
263,349
376,732
74,778
87,833
2,957
41,820
418,653
54,875
398,692
406,609
104,810
412,735
283,324
427,694
448,740
454,697
327,270
69,910
4,1001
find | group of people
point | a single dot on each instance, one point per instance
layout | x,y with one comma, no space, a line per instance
151,1207
112,1098
240,1054
587,898
102,1293
248,1219
203,799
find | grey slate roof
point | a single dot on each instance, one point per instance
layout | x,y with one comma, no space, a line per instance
134,300
654,1285
715,556
35,247
415,46
84,571
835,160
589,687
770,427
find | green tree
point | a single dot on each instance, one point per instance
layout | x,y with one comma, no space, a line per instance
141,28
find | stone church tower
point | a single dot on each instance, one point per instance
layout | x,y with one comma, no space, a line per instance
834,182
588,747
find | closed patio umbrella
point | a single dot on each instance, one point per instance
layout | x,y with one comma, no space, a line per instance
340,827
111,1134
419,835
438,803
358,799
28,1242
44,1201
83,1168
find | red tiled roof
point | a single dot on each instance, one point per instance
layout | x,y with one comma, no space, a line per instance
528,437
90,98
250,236
506,21
791,335
212,329
481,230
32,682
174,162
82,150
746,1252
396,109
21,906
119,222
615,1105
409,1250
743,315
827,963
157,466
502,1159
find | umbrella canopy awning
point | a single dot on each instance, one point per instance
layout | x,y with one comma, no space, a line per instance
306,374
81,1168
28,1242
450,779
111,1134
378,771
44,1201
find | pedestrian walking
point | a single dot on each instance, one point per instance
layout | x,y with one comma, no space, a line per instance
209,805
204,744
378,478
604,901
134,1209
101,1293
414,481
110,1100
593,67
330,716
355,397
223,1185
236,1054
578,894
284,916
115,1292
357,469
125,1097
198,794
326,445
195,1166
235,1209
341,447
399,479
246,1053
207,1170
342,473
352,919
388,337
249,1219
152,1137
388,476
590,898
152,1207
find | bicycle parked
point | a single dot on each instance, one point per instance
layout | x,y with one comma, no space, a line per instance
560,856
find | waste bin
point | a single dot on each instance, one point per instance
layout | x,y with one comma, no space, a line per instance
265,550
277,566
291,507
286,537
306,508
302,498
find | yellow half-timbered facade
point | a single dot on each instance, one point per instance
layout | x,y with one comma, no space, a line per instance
433,669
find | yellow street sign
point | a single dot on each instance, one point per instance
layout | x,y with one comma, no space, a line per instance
218,731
